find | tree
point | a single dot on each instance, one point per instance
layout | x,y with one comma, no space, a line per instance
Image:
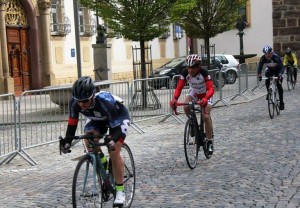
136,20
205,19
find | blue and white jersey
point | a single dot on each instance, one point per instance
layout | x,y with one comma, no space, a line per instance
106,108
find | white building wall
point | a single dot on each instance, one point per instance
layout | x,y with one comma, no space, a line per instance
259,33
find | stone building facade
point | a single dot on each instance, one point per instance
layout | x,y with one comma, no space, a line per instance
286,26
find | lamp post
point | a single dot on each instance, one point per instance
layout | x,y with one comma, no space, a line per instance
101,29
240,25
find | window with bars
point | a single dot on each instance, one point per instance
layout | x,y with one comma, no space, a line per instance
60,24
87,24
177,32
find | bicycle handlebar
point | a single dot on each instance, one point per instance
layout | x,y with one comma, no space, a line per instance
191,103
90,137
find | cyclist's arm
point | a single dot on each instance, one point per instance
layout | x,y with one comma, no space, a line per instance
181,83
71,129
285,61
280,64
295,60
180,86
260,65
209,87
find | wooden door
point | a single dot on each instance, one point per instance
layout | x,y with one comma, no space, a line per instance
19,58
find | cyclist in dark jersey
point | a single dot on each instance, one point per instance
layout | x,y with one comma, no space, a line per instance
102,110
201,87
274,68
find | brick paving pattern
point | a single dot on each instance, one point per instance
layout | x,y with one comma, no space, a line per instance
255,164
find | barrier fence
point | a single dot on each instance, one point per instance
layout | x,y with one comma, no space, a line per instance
39,117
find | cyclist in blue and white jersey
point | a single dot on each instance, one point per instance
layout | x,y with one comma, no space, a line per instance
274,68
102,110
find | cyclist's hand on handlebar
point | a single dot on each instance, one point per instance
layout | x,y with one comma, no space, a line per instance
111,145
64,146
259,77
203,102
173,104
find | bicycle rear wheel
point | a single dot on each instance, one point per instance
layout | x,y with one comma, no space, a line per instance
293,80
129,175
270,103
191,145
290,80
87,185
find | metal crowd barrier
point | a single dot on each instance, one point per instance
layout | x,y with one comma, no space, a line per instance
8,131
39,117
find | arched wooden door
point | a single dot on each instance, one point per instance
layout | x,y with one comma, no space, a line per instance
19,60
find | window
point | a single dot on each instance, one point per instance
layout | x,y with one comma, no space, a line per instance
59,23
177,32
87,24
245,12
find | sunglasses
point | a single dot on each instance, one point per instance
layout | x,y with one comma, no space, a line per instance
83,101
268,53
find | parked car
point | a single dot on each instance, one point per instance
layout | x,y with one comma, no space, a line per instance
175,67
230,67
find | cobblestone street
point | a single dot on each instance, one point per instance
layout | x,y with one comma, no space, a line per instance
255,164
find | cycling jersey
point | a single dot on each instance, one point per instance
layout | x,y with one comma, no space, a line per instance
274,64
201,84
105,111
292,60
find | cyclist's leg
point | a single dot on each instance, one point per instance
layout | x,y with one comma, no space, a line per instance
96,128
295,75
280,92
116,157
189,97
208,127
268,74
207,121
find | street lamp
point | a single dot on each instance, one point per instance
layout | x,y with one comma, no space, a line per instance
101,29
240,25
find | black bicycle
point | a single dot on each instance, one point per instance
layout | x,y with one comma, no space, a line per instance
273,97
194,135
93,183
290,77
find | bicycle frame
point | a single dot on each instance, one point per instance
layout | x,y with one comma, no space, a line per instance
92,184
193,116
272,96
194,136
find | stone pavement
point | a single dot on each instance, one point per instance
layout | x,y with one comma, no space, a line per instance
255,164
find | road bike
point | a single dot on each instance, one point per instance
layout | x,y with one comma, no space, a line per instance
273,97
194,135
93,183
290,77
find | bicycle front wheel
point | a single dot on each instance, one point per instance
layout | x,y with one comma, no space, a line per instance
87,185
270,103
191,145
277,102
129,175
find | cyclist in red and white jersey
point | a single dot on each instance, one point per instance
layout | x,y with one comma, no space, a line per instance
201,88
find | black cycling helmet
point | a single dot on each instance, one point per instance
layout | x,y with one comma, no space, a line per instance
288,51
267,49
193,60
83,88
